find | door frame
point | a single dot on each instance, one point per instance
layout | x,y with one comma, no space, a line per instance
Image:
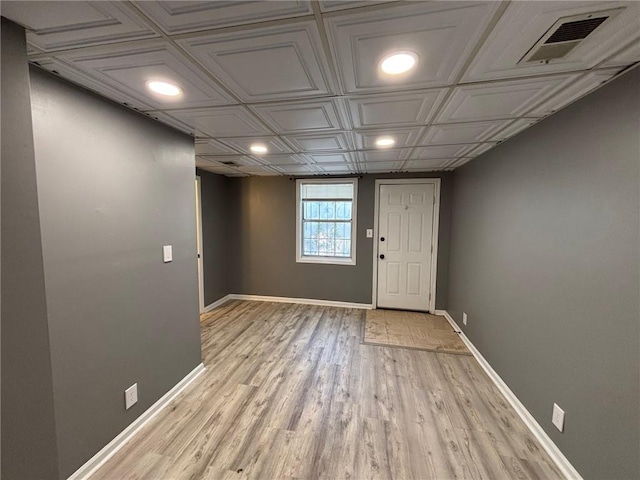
200,250
434,237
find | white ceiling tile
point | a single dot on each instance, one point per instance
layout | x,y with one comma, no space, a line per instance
484,147
86,81
579,87
406,109
164,118
333,5
379,167
513,129
236,160
128,68
422,165
458,162
209,146
321,141
442,34
337,157
440,151
300,170
524,23
243,144
384,155
187,16
32,50
281,160
235,121
338,169
500,100
629,55
203,162
404,137
229,172
66,24
260,170
268,63
307,116
463,132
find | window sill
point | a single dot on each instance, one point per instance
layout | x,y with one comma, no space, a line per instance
326,260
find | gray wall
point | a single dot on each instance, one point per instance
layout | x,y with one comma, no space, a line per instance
113,187
28,429
216,241
545,261
265,209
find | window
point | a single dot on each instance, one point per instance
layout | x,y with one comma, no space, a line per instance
326,228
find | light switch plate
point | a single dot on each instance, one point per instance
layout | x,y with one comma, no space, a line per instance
369,232
167,253
131,396
558,417
464,318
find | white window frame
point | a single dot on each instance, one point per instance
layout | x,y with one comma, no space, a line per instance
354,223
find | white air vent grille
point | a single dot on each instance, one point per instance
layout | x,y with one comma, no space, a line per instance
566,34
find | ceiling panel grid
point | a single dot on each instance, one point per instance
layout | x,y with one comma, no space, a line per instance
299,88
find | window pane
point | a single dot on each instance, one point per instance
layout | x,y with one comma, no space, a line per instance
313,210
343,248
327,210
327,239
310,247
327,190
343,210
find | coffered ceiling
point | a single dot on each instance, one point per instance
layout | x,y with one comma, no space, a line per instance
303,79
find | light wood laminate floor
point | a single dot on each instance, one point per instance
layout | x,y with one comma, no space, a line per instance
290,392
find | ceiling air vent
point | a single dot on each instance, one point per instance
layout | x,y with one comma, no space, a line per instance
565,35
228,162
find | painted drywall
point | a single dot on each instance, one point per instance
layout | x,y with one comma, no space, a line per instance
545,261
113,187
216,241
265,213
28,426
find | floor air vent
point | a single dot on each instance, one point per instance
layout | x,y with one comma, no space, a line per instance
565,35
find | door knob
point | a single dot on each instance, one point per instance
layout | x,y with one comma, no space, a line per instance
382,257
382,239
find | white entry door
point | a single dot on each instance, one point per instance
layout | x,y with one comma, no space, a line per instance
405,233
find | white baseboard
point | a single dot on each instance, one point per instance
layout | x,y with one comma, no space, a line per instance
532,424
305,301
217,303
99,459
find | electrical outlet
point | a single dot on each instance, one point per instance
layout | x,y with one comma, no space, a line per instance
464,318
369,232
131,396
558,417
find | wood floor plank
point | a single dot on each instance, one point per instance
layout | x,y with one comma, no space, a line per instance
290,392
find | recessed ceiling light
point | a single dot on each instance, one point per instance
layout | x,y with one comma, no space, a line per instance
385,142
398,62
164,88
258,148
